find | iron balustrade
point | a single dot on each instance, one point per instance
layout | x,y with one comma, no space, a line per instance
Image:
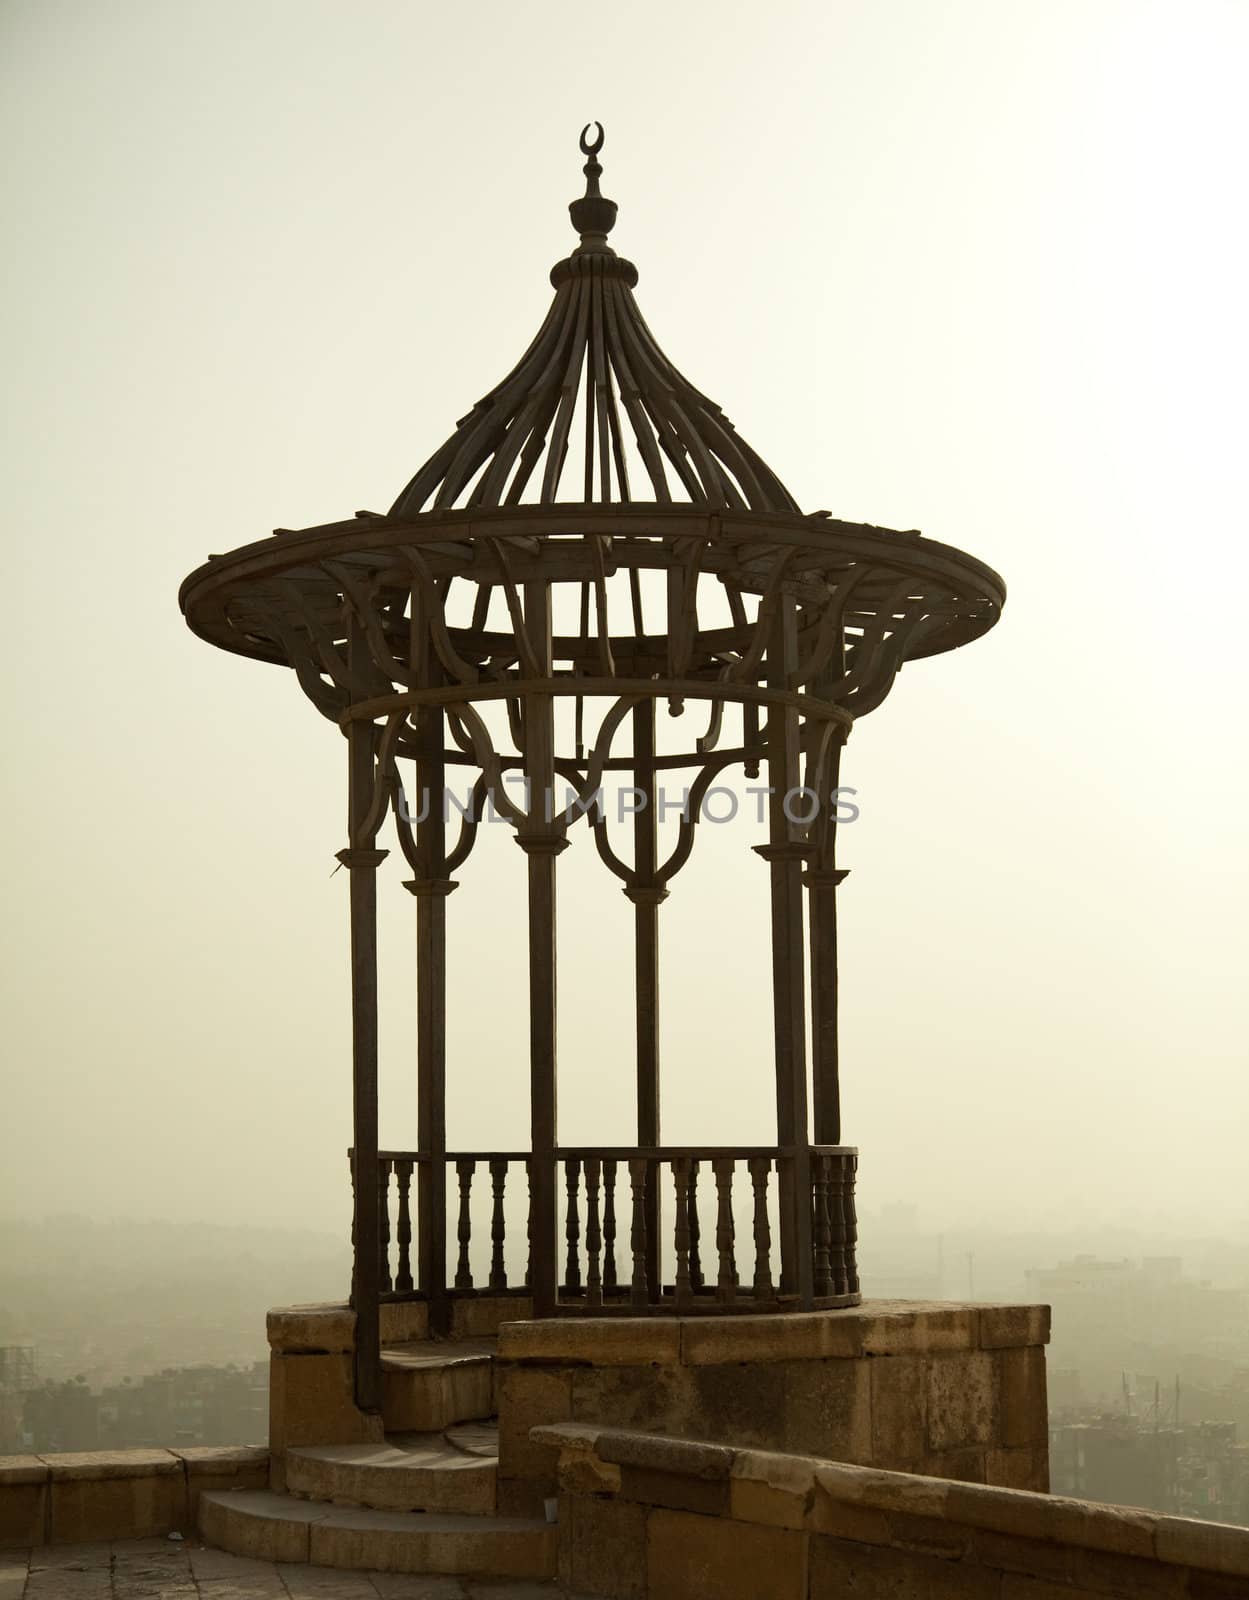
717,1211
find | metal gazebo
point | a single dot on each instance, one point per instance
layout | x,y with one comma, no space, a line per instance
593,552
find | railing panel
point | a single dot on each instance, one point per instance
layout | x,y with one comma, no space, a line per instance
493,1226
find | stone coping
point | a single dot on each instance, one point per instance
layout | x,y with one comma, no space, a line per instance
875,1328
788,1491
329,1327
98,1465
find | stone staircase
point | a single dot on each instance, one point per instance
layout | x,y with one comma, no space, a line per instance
422,1500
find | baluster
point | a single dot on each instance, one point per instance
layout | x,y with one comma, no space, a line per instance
529,1221
384,1282
351,1169
681,1183
822,1280
403,1229
609,1227
837,1225
852,1227
760,1167
726,1282
465,1166
593,1237
572,1227
498,1226
637,1179
696,1264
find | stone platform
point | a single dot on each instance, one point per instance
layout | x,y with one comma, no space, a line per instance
158,1569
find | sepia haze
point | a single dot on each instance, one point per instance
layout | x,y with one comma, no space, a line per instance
974,269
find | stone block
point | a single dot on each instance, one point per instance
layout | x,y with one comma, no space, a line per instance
230,1522
427,1390
529,1396
827,1410
903,1328
1101,1572
1037,1558
929,1536
312,1329
899,1411
675,1490
705,1558
1022,1402
1215,1586
311,1402
843,1520
114,1494
1019,1468
1001,1510
23,1501
841,1568
1211,1546
602,1547
695,1458
1005,1325
388,1541
743,1404
523,1497
581,1472
778,1490
594,1341
959,1466
883,1491
480,1316
963,1400
658,1398
802,1336
221,1467
403,1321
1018,1586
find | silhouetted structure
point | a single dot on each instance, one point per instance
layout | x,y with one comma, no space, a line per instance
594,543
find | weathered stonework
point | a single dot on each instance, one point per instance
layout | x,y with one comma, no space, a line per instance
310,1402
916,1387
86,1496
794,1526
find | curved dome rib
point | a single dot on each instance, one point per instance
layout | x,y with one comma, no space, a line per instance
595,372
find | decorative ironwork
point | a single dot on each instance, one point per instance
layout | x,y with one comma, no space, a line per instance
592,549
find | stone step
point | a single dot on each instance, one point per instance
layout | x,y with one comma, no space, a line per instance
431,1384
275,1527
451,1471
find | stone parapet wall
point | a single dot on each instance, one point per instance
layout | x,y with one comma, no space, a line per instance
90,1495
952,1391
645,1517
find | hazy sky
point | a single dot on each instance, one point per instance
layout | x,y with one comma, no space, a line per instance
976,268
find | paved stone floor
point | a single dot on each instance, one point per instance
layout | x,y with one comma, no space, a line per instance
163,1569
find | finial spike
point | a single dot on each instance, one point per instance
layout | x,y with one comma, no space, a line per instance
593,215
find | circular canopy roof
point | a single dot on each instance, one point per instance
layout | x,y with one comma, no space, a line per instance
594,375
594,458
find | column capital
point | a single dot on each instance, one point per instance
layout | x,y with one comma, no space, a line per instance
361,857
646,894
790,851
824,877
422,887
542,844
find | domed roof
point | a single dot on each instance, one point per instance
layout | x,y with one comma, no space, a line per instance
595,384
